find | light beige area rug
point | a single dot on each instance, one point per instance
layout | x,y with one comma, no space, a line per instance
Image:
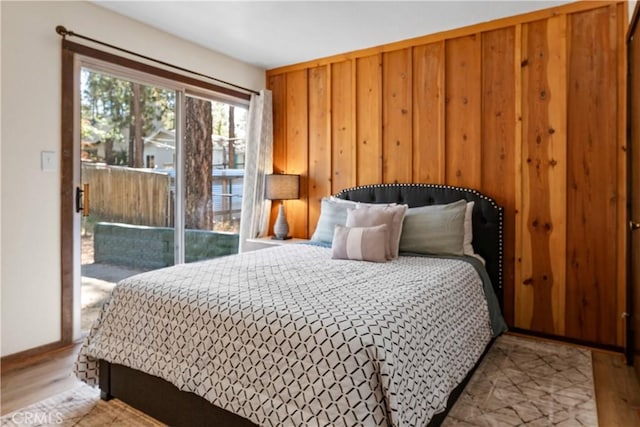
520,382
82,407
526,382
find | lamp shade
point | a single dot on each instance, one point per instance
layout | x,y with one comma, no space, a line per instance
282,187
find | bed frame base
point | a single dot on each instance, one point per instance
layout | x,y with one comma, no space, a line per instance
166,403
162,400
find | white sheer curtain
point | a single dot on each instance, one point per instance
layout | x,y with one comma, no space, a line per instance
254,221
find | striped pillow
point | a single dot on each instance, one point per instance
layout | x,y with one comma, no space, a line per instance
360,243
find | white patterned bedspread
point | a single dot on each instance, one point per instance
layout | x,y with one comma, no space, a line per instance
289,336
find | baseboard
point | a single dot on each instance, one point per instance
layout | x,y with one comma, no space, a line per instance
574,341
33,355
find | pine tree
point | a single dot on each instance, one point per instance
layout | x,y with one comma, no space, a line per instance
198,164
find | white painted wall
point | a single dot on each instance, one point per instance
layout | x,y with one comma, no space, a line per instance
632,6
30,120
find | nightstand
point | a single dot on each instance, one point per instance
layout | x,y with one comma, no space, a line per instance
267,242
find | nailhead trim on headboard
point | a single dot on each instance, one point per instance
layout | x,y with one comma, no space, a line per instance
344,194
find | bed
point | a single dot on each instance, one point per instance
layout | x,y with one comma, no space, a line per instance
290,336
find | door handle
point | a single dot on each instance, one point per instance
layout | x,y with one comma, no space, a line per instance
633,226
82,195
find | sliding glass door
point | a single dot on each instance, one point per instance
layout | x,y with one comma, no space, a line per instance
161,171
127,171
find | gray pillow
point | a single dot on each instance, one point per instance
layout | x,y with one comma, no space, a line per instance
360,243
436,229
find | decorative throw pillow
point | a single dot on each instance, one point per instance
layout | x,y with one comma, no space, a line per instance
331,214
333,211
369,216
360,243
436,229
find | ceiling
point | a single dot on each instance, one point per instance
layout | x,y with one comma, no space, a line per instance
270,34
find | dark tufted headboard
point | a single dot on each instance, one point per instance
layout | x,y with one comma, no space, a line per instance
487,215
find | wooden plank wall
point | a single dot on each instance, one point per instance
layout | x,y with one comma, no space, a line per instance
543,176
529,110
592,190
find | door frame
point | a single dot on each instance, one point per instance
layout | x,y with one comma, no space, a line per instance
632,325
70,162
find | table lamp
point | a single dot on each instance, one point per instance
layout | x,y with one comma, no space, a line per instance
282,187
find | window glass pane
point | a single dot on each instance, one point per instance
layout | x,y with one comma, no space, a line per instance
214,171
127,159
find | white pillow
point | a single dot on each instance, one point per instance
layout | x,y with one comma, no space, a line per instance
467,246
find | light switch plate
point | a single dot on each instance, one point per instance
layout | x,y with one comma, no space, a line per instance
49,161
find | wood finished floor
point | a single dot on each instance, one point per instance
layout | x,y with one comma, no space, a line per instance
37,378
616,384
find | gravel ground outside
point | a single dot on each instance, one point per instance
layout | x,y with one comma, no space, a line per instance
98,280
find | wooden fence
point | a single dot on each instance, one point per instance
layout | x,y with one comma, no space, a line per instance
131,196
